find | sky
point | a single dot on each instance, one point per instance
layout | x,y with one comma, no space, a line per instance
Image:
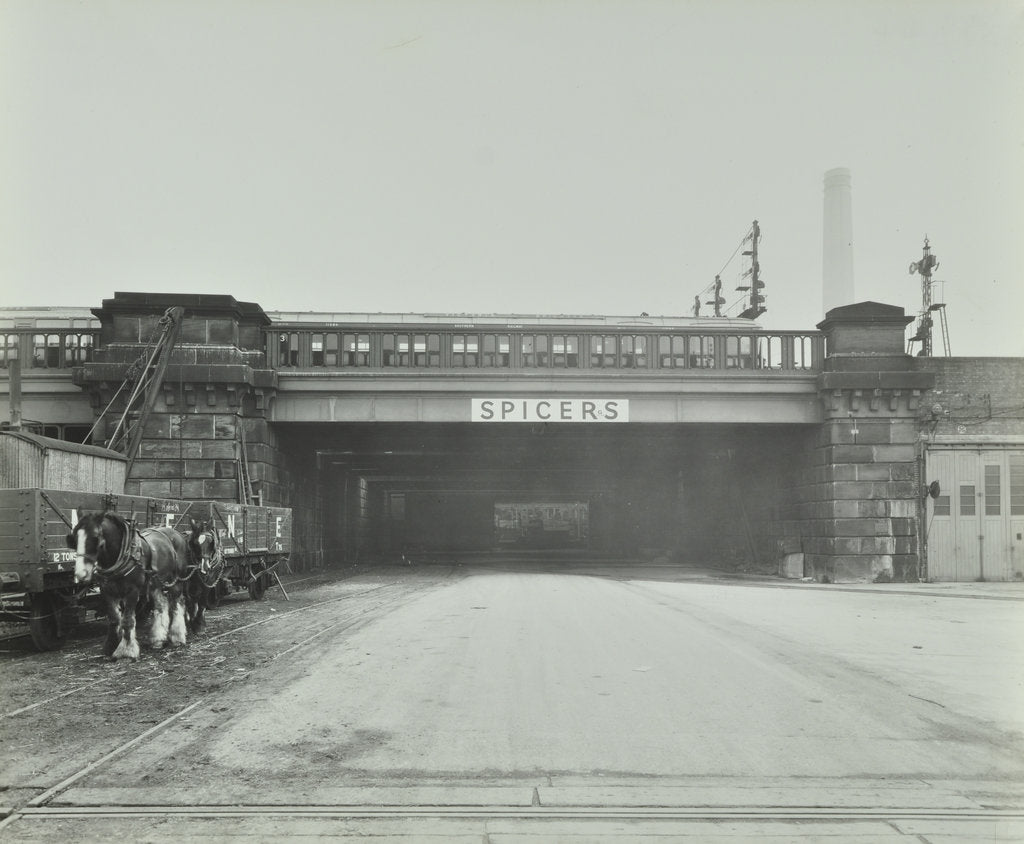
560,157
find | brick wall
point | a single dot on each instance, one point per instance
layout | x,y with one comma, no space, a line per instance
973,397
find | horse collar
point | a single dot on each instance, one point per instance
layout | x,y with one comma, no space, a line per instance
130,556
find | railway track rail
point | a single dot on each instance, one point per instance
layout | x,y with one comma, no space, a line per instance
57,804
225,611
390,593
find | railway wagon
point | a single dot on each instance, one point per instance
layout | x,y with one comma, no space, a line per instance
254,540
37,569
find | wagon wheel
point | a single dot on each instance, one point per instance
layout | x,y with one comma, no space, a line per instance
44,622
258,585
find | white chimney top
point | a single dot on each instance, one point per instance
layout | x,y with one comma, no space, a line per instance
837,241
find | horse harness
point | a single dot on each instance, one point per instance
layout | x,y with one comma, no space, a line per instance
133,545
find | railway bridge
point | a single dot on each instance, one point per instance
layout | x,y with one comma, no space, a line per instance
705,440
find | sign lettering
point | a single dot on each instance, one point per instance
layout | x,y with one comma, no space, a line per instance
549,410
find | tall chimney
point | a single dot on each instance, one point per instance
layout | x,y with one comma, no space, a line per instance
837,241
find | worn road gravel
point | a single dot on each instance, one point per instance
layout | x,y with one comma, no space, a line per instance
468,685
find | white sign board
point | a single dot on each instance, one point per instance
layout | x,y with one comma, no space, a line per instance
549,410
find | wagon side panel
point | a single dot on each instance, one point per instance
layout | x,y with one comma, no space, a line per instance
256,527
58,510
280,529
229,523
20,561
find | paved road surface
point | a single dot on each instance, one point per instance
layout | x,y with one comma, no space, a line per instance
571,701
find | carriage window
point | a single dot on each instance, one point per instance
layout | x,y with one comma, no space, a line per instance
565,351
632,352
316,347
355,350
426,350
967,503
671,351
395,349
737,352
702,352
627,357
496,350
331,350
288,349
1017,484
664,351
8,349
603,351
993,504
535,350
465,350
46,351
941,506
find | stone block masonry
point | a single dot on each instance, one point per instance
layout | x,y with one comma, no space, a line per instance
858,505
209,415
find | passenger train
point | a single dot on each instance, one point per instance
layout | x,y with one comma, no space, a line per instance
61,338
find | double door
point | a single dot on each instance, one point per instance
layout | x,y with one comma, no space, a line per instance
975,526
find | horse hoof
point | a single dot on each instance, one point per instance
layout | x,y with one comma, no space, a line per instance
157,646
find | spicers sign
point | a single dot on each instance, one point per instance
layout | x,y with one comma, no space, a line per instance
550,410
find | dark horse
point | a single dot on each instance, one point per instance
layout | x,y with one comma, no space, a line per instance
206,565
131,566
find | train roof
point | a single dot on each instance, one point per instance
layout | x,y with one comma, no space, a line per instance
40,318
474,320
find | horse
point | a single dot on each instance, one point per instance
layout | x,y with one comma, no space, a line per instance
205,566
132,566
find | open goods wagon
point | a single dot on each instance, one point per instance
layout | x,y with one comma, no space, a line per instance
37,569
254,540
37,583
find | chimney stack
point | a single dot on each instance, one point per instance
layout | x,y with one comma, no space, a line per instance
837,241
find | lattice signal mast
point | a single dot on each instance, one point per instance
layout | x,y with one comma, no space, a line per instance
756,306
925,267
